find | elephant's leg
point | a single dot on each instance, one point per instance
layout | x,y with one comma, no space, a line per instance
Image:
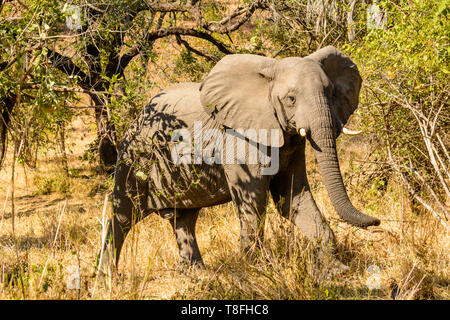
183,224
251,229
249,191
299,207
292,196
117,230
304,213
126,213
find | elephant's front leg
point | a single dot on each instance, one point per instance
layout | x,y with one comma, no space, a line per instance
251,229
292,196
183,224
307,217
298,205
249,191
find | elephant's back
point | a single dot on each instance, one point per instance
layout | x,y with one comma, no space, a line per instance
176,107
146,151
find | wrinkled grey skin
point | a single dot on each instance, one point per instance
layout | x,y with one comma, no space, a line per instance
318,93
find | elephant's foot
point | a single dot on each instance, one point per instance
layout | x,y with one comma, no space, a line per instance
195,261
188,266
337,268
105,266
327,266
188,262
251,253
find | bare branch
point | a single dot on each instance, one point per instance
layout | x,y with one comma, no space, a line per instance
177,6
68,89
192,32
183,42
411,190
227,24
66,65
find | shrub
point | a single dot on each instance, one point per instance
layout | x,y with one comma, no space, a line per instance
405,96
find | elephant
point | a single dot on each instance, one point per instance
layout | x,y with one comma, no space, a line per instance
296,99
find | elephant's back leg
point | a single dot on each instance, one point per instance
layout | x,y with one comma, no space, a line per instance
129,207
183,224
129,196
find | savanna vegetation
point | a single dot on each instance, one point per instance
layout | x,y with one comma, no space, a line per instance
74,75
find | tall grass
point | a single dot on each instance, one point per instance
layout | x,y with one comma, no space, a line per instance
57,230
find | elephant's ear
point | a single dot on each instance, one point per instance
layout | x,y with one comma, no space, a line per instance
236,94
345,77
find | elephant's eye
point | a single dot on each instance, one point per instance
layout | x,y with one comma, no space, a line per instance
290,100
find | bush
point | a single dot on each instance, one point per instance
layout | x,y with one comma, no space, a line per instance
405,96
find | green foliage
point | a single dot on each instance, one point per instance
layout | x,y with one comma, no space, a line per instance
27,75
406,89
417,40
190,66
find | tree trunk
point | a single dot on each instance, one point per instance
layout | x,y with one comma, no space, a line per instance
106,136
7,105
350,22
62,145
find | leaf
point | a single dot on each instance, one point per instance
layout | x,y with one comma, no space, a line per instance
141,175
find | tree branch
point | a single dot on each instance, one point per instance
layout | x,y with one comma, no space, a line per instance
68,89
178,6
226,25
180,31
66,65
183,42
7,103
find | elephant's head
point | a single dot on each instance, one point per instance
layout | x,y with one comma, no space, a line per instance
312,96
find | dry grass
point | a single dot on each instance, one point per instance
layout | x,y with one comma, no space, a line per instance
57,230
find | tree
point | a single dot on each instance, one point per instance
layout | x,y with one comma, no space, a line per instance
31,93
93,58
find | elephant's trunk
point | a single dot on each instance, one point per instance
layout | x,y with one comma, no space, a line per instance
323,140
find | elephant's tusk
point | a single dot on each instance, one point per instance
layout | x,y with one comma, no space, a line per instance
302,132
350,132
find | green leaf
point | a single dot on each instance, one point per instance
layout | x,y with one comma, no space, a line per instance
141,175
